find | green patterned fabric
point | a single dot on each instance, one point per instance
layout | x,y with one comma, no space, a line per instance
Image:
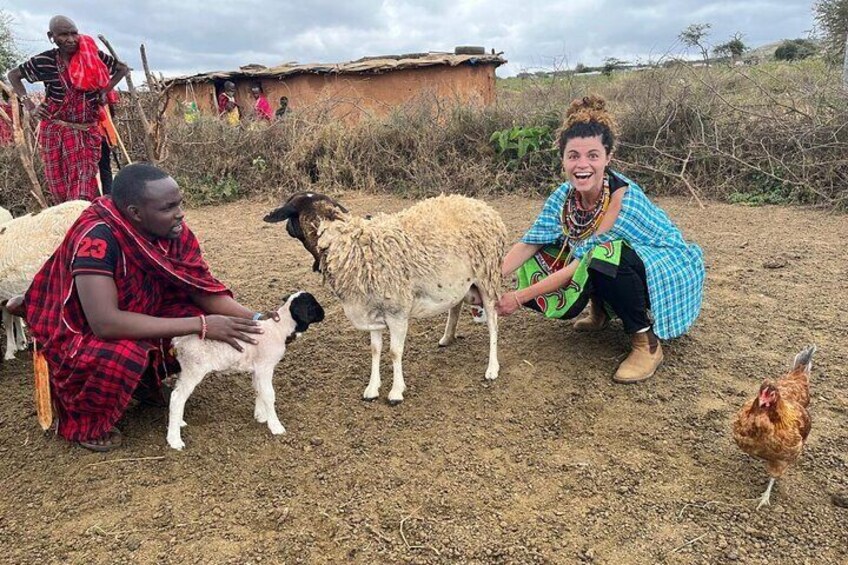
550,259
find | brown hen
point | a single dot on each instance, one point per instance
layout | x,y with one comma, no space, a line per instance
775,424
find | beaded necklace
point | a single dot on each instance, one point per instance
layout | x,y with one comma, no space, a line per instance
577,223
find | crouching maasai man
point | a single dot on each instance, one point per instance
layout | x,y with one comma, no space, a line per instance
128,276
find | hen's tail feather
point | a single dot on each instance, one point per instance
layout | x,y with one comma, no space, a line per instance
805,359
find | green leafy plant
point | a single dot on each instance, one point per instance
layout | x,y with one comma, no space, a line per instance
763,189
260,164
211,190
515,143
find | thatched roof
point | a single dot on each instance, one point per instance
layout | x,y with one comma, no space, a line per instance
366,65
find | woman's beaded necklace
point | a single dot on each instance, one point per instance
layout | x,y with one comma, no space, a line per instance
577,223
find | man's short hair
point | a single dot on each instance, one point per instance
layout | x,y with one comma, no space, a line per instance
130,183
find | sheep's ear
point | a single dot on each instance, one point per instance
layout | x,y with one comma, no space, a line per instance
305,310
338,205
282,214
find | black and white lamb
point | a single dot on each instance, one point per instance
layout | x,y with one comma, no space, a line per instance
198,358
390,268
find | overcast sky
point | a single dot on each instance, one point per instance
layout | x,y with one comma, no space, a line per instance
187,36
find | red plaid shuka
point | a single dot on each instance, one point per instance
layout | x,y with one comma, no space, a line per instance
92,380
71,154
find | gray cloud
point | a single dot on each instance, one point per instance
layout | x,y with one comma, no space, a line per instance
188,36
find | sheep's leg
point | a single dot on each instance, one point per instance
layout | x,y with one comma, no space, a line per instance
492,321
183,388
19,329
11,342
372,391
397,334
264,379
450,328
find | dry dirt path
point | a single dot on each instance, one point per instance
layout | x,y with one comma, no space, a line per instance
553,463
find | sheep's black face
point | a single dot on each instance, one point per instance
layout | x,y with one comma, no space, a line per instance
304,211
293,228
305,310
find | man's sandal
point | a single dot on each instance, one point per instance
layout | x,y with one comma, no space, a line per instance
110,441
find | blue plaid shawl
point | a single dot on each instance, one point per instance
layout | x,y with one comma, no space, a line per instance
675,269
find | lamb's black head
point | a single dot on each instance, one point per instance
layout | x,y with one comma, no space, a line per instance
304,310
304,211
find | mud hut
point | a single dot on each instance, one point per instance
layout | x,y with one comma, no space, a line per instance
371,86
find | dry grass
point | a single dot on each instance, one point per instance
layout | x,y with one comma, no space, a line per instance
775,133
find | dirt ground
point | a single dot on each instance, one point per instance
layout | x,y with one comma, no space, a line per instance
552,463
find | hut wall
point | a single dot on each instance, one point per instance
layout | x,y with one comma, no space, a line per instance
353,96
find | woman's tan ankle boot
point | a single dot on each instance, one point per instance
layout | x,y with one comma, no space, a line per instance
645,356
596,320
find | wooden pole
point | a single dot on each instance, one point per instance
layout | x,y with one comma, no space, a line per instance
149,144
152,83
25,151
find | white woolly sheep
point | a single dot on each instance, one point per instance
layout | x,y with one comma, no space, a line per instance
25,244
5,215
198,358
420,262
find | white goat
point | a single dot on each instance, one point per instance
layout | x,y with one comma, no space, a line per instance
25,244
200,357
423,261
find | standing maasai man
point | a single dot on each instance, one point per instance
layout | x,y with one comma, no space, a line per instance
128,277
76,77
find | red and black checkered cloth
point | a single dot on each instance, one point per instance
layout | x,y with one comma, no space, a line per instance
92,380
71,154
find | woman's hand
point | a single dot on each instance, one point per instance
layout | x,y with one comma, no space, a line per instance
508,304
231,330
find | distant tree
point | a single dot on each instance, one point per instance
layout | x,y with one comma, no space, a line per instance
695,36
611,64
733,48
580,68
795,50
9,54
832,20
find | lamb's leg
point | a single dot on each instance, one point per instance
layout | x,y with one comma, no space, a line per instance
11,342
264,380
182,390
450,328
372,391
259,411
397,334
492,321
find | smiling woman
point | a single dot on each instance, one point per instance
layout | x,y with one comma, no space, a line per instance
600,242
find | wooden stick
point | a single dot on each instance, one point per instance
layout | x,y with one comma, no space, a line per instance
688,543
118,136
125,460
151,80
149,145
27,153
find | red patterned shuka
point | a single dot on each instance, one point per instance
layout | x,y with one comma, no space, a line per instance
71,152
92,379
